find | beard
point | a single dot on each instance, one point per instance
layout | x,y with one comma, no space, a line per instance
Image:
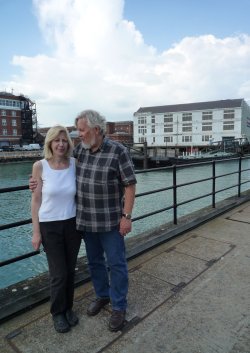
87,146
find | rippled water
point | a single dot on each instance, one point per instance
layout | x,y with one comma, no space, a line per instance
15,206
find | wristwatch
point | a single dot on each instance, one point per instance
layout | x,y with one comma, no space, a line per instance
127,215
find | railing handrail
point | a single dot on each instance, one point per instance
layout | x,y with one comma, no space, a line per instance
174,187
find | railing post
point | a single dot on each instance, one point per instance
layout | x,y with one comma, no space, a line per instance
145,154
213,184
239,177
174,195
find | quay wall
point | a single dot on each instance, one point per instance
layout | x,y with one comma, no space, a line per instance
17,156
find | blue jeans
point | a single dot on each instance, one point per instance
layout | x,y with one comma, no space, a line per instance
113,245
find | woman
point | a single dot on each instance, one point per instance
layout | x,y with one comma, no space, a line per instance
53,211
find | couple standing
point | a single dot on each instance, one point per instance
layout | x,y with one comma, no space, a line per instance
105,189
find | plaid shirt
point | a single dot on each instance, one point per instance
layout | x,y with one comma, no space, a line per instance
101,177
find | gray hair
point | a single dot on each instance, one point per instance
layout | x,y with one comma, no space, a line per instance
93,118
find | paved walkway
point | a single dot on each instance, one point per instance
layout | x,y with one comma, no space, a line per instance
189,295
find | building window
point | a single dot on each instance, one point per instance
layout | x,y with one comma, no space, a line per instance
228,123
16,104
3,112
13,122
228,114
207,126
206,138
4,122
14,132
152,119
5,132
186,138
168,123
153,129
168,139
142,120
142,139
186,127
168,128
13,113
187,117
168,118
153,139
228,126
142,130
207,116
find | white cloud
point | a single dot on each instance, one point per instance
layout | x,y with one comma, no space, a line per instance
99,60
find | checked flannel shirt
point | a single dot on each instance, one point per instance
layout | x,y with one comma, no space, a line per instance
101,177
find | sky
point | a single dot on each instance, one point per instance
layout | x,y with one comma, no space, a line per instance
116,56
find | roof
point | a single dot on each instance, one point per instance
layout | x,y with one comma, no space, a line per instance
20,97
221,104
6,94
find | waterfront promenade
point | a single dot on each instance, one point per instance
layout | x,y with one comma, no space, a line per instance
188,295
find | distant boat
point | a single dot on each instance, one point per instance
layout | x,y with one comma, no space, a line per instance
202,157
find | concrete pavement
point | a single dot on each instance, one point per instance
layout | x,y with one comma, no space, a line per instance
188,295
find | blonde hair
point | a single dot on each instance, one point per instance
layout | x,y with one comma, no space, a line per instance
51,135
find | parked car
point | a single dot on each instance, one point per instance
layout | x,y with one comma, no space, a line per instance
32,147
17,148
7,148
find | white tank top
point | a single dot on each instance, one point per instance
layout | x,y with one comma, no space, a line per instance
58,193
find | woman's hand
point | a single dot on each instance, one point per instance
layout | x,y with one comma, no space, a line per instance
36,241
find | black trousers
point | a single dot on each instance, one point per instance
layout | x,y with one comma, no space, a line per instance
61,242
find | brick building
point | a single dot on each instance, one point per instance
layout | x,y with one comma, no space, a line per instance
18,120
121,131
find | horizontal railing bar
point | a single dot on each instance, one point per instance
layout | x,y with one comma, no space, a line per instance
244,182
152,213
16,224
14,188
194,199
18,258
227,188
154,191
227,174
193,182
153,170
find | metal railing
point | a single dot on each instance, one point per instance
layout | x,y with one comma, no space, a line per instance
174,187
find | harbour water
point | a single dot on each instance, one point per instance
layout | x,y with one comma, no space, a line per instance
15,206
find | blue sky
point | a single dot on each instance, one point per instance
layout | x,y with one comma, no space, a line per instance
164,22
118,55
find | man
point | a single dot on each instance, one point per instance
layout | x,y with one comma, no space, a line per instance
105,197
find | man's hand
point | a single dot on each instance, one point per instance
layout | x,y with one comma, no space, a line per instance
125,226
32,184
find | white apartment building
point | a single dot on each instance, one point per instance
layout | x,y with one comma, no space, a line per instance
192,124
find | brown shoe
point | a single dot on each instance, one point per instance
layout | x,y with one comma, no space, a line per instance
117,320
96,306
